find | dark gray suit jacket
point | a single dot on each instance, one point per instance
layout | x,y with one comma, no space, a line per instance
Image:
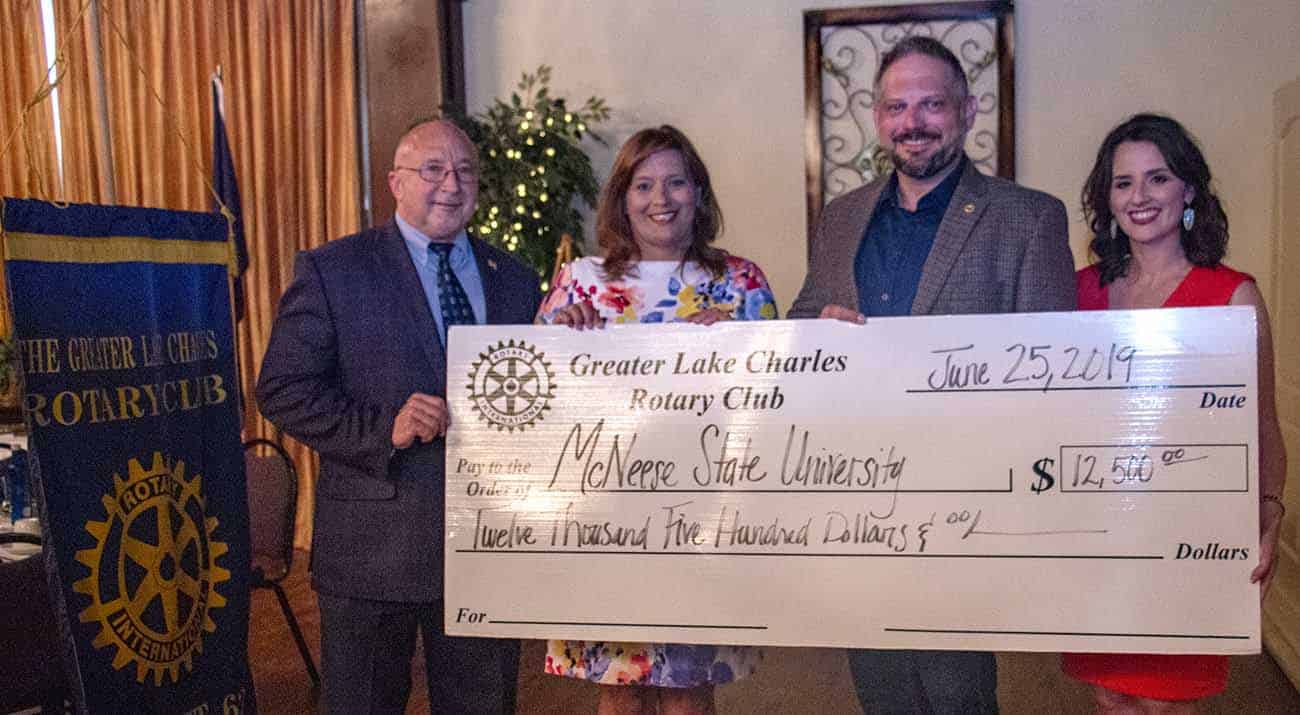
1001,248
353,339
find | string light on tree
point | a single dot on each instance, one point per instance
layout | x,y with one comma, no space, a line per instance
533,169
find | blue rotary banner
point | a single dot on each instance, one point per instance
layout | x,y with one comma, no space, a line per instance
122,318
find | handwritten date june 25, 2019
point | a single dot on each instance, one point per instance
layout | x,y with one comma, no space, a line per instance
1032,366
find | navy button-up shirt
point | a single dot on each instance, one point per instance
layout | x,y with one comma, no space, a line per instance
896,244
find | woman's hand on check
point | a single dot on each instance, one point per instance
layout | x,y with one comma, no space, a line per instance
1270,527
709,316
579,316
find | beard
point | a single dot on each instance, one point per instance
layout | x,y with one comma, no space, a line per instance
922,167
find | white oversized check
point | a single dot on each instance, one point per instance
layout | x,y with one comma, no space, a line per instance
1056,482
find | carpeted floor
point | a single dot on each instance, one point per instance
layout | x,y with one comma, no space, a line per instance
791,681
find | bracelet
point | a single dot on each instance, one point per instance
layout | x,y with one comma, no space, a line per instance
1276,499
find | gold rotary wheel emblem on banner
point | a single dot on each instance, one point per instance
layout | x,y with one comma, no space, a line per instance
511,385
153,570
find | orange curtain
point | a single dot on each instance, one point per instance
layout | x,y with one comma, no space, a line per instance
28,163
83,179
29,168
290,86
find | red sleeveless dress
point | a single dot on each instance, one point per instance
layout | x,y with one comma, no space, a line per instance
1160,677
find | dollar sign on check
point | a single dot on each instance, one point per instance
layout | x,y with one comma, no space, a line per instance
1045,480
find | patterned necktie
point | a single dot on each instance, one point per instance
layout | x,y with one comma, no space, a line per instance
452,300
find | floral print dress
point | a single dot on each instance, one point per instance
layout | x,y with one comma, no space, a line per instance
662,291
658,292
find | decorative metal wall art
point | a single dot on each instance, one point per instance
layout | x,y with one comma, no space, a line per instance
842,49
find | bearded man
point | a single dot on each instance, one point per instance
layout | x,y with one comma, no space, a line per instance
933,237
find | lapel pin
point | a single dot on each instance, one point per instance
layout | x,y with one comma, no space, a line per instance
492,264
969,208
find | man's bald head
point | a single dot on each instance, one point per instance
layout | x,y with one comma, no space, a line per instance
428,131
439,150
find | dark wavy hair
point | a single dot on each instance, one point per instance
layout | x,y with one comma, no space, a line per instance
1204,245
614,230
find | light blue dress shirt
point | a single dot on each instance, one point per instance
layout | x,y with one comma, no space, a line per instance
462,264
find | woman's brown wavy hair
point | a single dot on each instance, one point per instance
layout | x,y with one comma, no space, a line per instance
1204,245
614,230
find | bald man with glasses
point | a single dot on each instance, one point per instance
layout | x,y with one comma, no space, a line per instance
356,369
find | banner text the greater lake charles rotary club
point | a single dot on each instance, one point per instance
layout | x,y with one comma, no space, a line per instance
123,326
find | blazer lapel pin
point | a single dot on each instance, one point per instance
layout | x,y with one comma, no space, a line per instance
492,264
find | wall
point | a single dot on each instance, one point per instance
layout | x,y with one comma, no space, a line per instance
730,74
397,65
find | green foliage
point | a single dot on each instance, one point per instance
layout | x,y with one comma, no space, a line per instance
532,170
8,363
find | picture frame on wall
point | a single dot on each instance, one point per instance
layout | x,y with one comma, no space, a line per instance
842,50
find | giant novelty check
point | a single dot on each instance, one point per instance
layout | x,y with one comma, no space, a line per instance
1054,481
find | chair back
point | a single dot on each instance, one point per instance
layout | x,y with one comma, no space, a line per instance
272,507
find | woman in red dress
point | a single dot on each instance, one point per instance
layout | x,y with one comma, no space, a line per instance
1159,236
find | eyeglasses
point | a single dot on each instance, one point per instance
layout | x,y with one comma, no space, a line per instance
436,173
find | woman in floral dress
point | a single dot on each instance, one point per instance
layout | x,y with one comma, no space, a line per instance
656,220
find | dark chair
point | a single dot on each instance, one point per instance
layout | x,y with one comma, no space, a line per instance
30,656
272,508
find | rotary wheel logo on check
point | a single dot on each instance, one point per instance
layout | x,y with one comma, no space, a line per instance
153,570
511,385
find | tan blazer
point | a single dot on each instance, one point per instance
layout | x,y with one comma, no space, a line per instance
1001,248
